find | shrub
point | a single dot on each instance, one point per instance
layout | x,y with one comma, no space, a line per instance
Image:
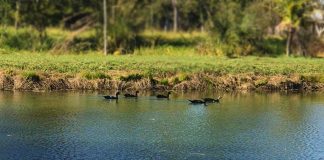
180,78
95,75
261,82
131,77
164,82
24,39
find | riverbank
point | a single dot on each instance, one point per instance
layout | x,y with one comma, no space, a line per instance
146,71
195,82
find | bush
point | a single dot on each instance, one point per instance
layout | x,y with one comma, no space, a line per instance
20,40
164,82
270,46
95,75
24,39
261,82
180,78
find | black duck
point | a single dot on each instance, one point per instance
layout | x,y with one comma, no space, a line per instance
112,97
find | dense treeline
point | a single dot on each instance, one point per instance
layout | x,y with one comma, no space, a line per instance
234,27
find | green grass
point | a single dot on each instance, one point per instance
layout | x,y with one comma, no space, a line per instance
313,78
164,82
159,63
95,75
179,39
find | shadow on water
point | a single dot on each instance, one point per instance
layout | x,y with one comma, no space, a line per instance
74,125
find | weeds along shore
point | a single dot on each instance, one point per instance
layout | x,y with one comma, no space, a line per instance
203,81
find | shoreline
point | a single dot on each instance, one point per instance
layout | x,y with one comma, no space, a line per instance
196,81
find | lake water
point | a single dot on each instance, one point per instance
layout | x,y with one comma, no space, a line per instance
82,125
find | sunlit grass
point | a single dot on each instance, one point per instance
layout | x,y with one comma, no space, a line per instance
173,35
160,63
174,53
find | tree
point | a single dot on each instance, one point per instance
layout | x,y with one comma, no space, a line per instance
17,14
105,25
317,17
5,9
291,12
40,14
175,15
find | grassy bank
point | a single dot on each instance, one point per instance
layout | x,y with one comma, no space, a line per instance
165,67
157,61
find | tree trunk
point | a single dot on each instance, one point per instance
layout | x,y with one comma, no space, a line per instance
113,13
319,29
105,25
42,34
151,17
17,16
175,15
201,19
289,40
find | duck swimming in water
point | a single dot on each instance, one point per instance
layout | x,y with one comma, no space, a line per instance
211,100
112,97
164,96
127,95
196,101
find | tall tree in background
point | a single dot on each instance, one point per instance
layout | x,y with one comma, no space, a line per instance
232,23
317,16
17,14
5,12
105,25
175,15
291,12
40,14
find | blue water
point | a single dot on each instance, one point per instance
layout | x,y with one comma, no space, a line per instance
76,125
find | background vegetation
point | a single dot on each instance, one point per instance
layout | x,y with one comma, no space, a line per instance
167,44
232,28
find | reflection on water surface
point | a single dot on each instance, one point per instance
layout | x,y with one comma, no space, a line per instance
76,125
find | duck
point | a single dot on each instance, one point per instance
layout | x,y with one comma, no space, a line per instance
112,97
164,96
196,101
212,100
127,95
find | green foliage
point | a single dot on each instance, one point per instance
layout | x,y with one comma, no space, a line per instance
261,82
164,82
256,20
184,77
270,46
180,78
10,72
23,39
292,11
176,80
232,28
95,75
180,39
226,22
84,44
